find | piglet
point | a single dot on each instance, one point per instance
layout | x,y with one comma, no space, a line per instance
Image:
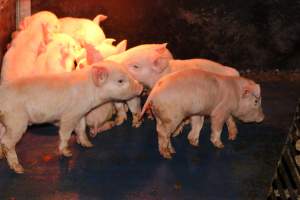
195,93
29,43
60,55
63,98
83,30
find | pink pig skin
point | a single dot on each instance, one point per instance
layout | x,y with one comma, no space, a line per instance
204,94
64,98
148,63
19,59
83,30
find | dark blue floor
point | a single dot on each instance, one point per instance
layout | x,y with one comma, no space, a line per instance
125,163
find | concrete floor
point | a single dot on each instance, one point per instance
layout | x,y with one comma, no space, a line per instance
125,163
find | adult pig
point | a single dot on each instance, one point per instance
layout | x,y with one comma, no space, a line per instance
204,94
64,98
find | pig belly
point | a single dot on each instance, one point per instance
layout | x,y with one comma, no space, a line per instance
41,113
39,117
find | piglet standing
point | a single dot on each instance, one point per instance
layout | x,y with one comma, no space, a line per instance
197,93
64,98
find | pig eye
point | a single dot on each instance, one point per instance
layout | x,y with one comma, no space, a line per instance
256,101
136,67
121,81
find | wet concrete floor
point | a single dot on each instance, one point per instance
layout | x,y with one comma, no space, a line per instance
125,163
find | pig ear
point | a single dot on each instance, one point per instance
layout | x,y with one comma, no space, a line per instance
257,90
251,88
161,48
92,55
46,33
99,75
109,41
246,93
122,46
160,65
24,23
99,18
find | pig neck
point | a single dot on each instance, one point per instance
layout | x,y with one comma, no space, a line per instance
166,71
97,98
82,83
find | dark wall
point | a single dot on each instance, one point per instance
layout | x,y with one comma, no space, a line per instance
7,23
244,34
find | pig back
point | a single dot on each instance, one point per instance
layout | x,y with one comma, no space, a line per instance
191,91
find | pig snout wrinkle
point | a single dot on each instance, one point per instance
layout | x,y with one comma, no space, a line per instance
261,118
139,88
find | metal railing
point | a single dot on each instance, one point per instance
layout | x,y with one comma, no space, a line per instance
286,181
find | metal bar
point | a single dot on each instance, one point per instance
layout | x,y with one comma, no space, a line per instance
294,172
287,182
280,189
23,9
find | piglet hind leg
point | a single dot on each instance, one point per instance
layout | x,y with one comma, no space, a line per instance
135,108
197,124
232,129
164,142
80,131
180,127
8,145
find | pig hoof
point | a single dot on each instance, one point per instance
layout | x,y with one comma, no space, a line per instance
232,136
136,124
93,134
218,144
1,153
150,117
86,144
172,150
18,168
66,152
194,142
120,120
166,154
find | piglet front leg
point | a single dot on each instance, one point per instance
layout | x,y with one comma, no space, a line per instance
232,129
121,113
66,128
134,105
217,122
82,138
197,124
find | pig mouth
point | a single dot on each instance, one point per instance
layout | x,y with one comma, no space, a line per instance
75,64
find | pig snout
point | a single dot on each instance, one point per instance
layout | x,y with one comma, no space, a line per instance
260,117
138,88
